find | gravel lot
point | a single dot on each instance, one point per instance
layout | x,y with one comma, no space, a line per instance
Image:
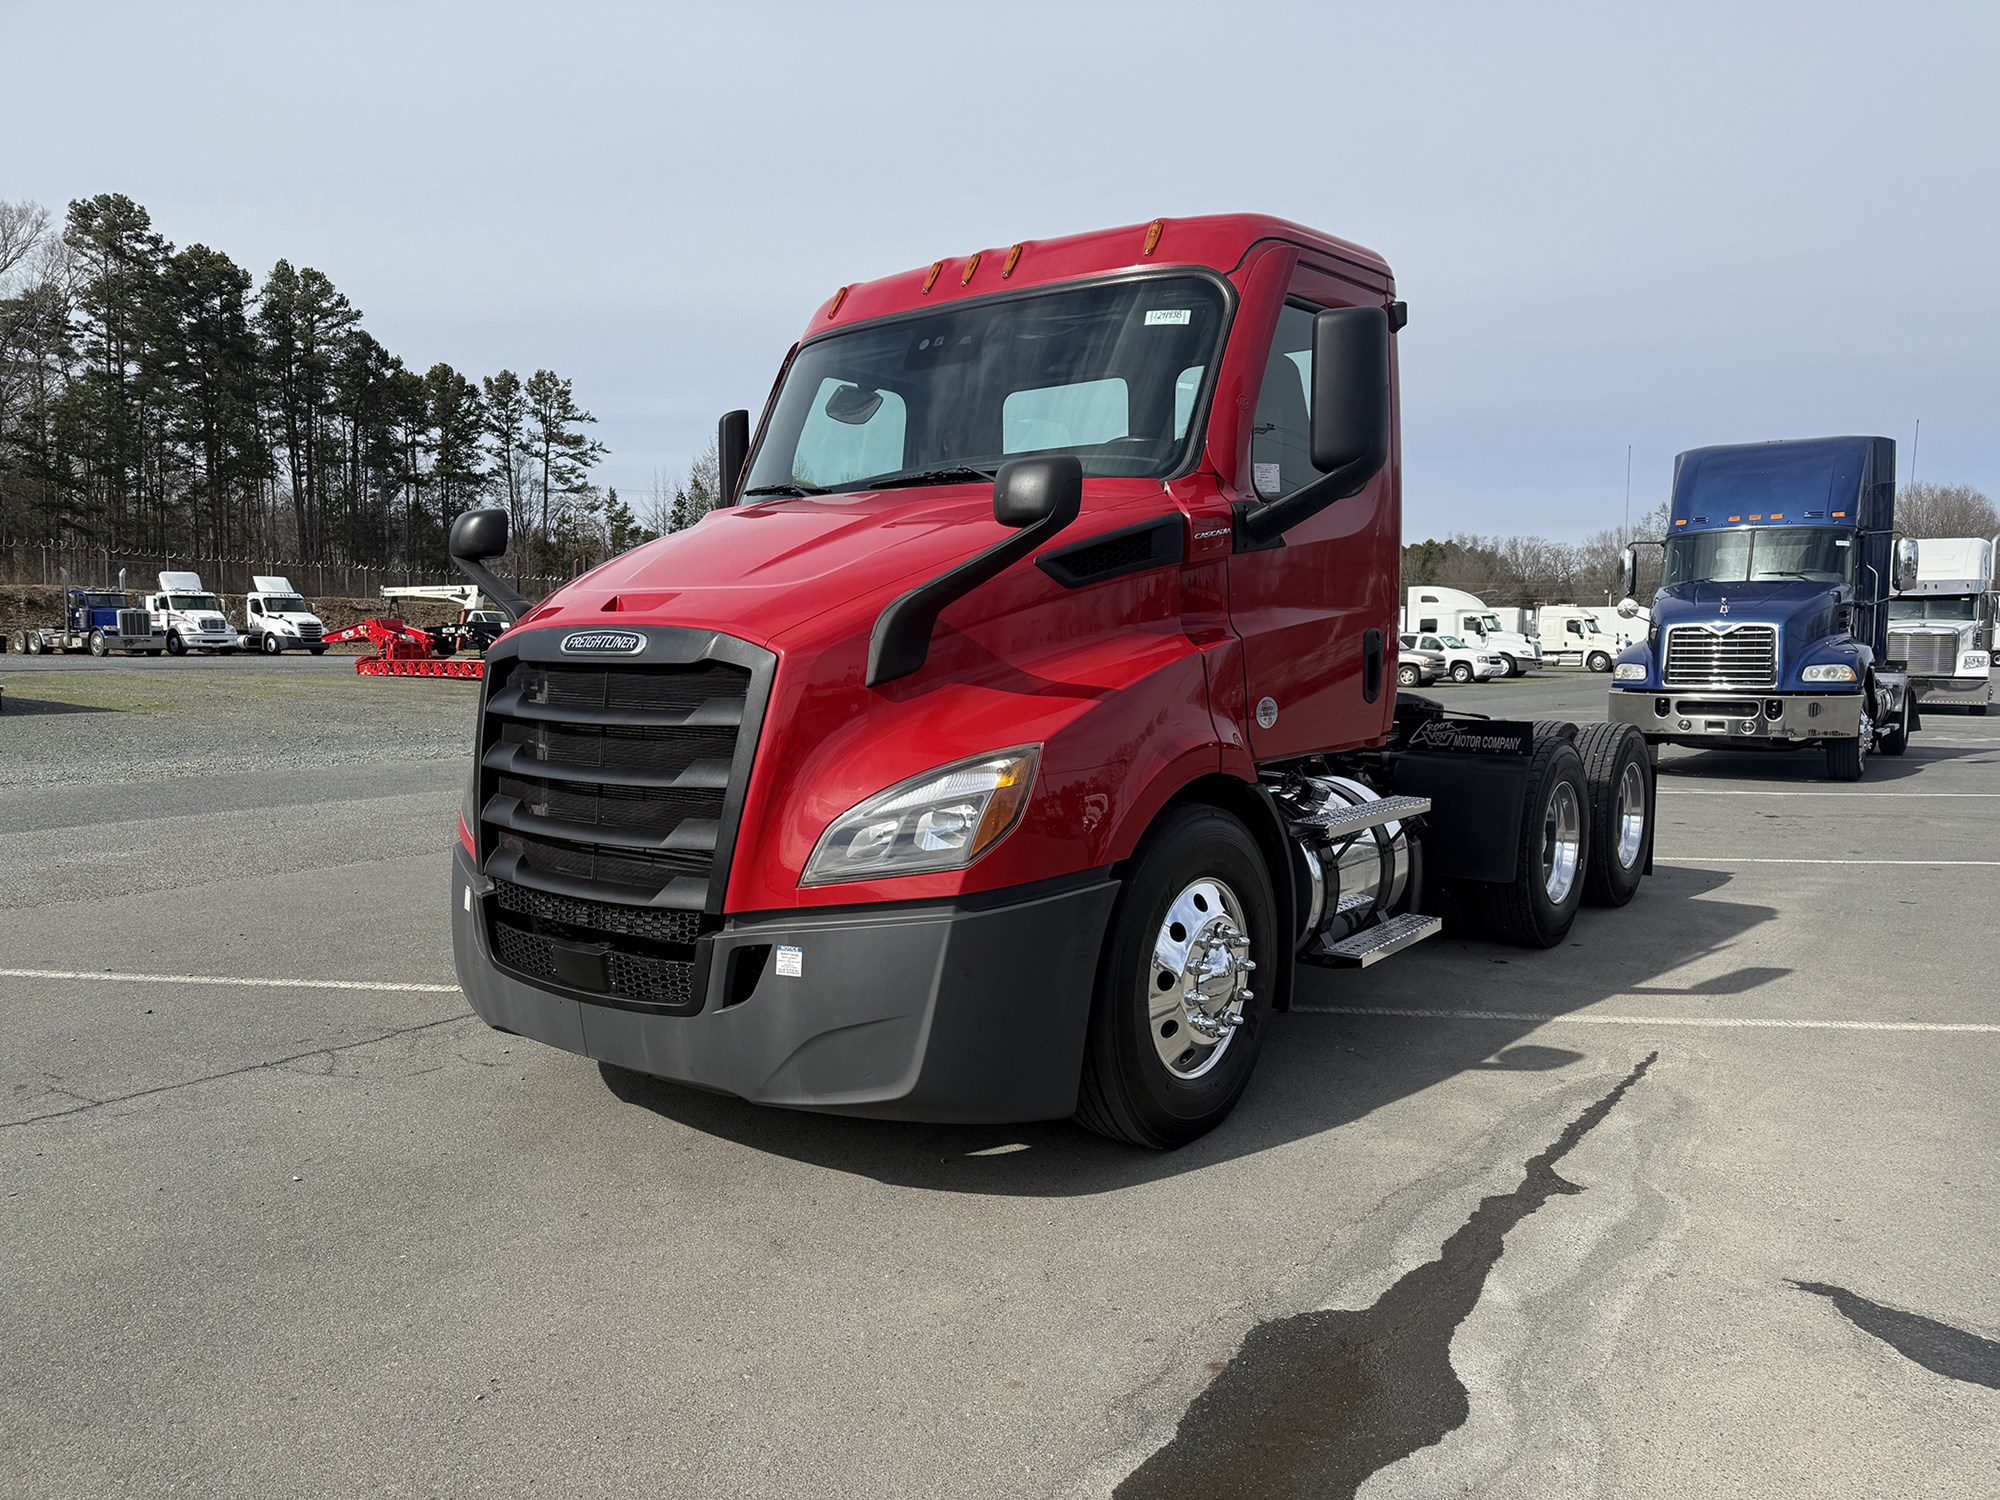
1701,1203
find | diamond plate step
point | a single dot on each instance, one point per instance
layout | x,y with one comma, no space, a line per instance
1373,944
1340,821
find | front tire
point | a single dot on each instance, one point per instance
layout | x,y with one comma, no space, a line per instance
1846,759
1408,676
1513,667
1598,662
1535,908
271,644
175,645
1179,1016
99,646
1461,671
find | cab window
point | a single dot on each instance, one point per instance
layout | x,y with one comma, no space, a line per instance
1280,451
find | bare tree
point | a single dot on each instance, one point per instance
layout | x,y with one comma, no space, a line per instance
1926,509
22,226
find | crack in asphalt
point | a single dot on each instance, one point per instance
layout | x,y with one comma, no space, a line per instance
1938,1347
276,1063
1315,1403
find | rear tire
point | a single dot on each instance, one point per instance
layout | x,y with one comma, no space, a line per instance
1132,1089
31,644
1896,738
1536,907
1620,776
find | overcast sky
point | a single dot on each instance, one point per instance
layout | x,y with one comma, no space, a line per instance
1739,223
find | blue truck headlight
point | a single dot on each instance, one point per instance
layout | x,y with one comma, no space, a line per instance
1828,671
1629,671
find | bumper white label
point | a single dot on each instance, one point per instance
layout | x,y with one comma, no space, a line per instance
791,962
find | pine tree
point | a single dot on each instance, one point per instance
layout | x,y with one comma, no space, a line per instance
305,325
564,455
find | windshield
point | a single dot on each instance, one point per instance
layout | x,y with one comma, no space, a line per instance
1817,554
1109,373
1454,643
194,601
286,604
103,601
1488,623
1955,611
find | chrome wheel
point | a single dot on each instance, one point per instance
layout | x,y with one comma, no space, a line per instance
1201,968
1562,842
1631,815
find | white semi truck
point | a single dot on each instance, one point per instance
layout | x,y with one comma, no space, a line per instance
276,619
1943,625
190,617
1443,611
1577,635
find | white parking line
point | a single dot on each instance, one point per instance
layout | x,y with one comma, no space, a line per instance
1745,859
212,979
1586,1018
1871,795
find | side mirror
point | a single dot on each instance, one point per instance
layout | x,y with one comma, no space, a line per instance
1628,607
1628,574
1348,433
478,536
1028,491
1903,575
732,452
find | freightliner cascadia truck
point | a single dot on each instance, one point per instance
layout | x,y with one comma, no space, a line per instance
1025,717
1942,627
1770,628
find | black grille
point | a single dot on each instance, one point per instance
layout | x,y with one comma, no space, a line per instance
604,796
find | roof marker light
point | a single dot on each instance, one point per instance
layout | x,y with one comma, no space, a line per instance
1007,266
1838,514
1754,518
1680,523
1777,515
838,298
970,266
1153,235
931,280
1735,518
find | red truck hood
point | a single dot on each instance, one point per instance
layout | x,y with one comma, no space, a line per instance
761,571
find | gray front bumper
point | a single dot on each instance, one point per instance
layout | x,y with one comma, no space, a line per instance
1714,717
961,1011
1954,689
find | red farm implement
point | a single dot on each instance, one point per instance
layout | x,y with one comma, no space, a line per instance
404,651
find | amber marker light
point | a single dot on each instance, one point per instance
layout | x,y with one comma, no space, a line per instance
931,280
970,266
1153,235
838,298
1013,259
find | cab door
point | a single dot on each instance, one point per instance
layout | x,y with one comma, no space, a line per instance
1317,611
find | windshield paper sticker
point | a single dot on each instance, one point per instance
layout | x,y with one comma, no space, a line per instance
1161,317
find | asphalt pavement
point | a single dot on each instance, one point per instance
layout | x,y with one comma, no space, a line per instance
1701,1202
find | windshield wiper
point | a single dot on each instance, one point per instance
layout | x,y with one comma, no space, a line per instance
948,474
786,489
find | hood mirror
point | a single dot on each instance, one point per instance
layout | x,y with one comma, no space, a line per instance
1029,491
1904,574
852,405
477,538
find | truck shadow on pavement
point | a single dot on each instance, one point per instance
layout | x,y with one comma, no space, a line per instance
15,704
1323,1066
1808,767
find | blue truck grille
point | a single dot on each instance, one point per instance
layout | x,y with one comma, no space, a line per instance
1743,656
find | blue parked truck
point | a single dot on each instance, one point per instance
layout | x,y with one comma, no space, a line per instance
99,621
1770,628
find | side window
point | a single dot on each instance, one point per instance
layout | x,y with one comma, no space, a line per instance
849,434
1427,624
1069,416
1573,627
1431,643
1280,455
1186,388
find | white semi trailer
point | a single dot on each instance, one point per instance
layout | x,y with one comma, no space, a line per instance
1943,625
1441,611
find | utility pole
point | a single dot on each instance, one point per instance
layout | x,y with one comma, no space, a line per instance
1628,493
1915,438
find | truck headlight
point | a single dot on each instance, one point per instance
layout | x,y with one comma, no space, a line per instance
1977,661
941,820
1830,671
1629,671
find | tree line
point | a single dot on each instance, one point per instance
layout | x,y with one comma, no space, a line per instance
1518,571
157,400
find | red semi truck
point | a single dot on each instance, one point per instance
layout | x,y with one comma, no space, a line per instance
1024,718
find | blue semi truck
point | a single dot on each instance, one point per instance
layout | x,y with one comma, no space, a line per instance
1770,628
99,621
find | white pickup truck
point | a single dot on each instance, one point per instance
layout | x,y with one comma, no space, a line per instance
191,618
1462,662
